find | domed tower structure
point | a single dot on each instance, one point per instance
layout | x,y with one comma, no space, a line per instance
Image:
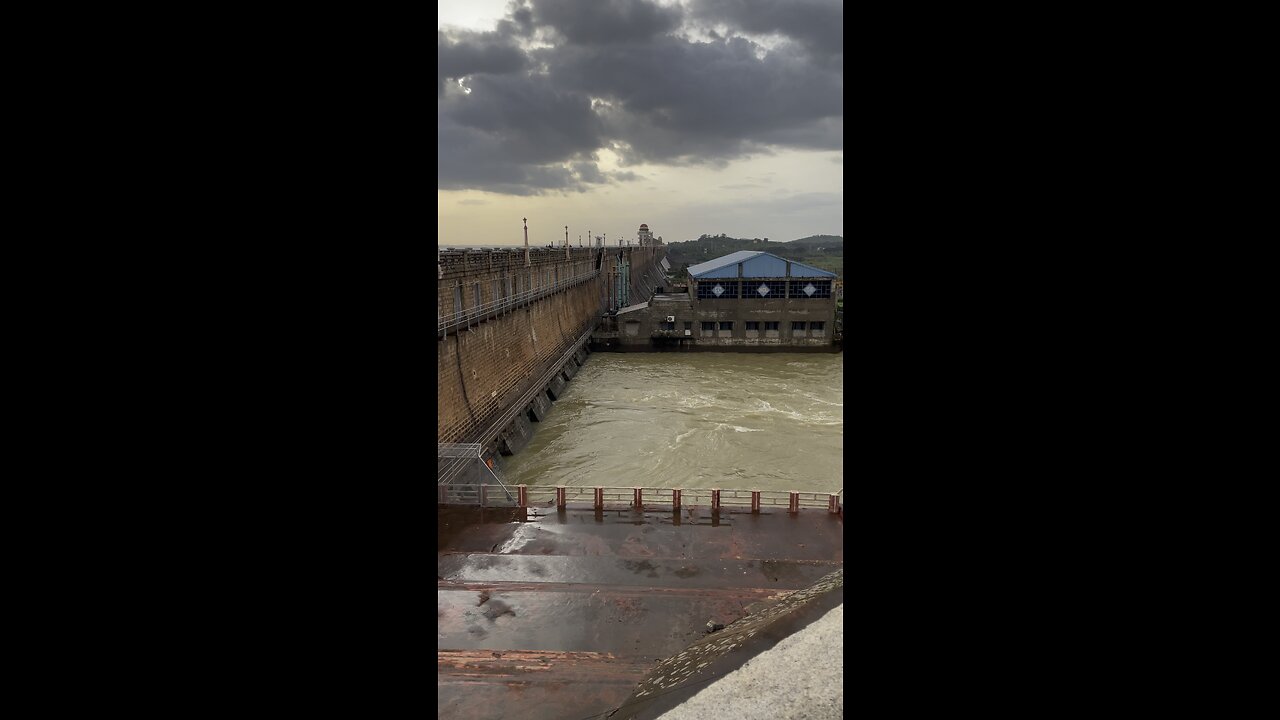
646,237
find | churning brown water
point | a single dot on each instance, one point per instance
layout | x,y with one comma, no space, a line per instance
701,420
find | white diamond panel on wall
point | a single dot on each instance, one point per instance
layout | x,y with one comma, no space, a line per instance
763,289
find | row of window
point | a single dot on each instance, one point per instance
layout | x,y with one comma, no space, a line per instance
763,289
753,325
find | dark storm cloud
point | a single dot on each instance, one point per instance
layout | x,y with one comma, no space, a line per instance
459,54
817,25
673,100
601,22
615,76
589,173
511,133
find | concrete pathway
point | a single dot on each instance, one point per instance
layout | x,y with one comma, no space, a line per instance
800,677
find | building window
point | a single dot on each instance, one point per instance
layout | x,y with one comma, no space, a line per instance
726,326
764,289
753,325
817,325
797,327
688,325
708,326
496,291
810,289
667,326
717,289
457,300
477,292
771,326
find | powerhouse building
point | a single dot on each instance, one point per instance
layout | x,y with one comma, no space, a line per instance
747,300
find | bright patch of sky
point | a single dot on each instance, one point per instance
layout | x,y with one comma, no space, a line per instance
471,14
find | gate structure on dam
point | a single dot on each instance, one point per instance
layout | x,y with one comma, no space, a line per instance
512,328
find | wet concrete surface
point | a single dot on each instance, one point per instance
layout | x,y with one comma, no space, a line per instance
650,571
602,620
546,614
694,533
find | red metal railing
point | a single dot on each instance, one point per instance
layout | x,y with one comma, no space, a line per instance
602,497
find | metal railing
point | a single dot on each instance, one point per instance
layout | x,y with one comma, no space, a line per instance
478,495
641,498
458,450
461,456
506,257
470,316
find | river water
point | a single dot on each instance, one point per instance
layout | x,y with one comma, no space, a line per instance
698,420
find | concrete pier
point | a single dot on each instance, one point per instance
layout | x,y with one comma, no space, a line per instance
516,436
569,369
539,408
556,388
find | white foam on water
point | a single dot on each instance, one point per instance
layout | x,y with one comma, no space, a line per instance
695,401
737,428
815,398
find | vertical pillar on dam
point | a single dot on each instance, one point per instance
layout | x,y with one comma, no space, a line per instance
516,436
570,369
556,388
539,408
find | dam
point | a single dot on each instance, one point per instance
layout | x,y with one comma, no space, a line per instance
562,591
512,325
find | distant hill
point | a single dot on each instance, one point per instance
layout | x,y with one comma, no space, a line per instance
821,251
816,240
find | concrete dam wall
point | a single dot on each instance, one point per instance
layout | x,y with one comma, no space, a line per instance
510,329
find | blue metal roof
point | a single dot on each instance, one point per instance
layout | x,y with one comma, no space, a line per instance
702,269
755,264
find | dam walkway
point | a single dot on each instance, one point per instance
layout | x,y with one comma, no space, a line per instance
559,612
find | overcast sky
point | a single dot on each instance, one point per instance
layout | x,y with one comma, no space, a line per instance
696,116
